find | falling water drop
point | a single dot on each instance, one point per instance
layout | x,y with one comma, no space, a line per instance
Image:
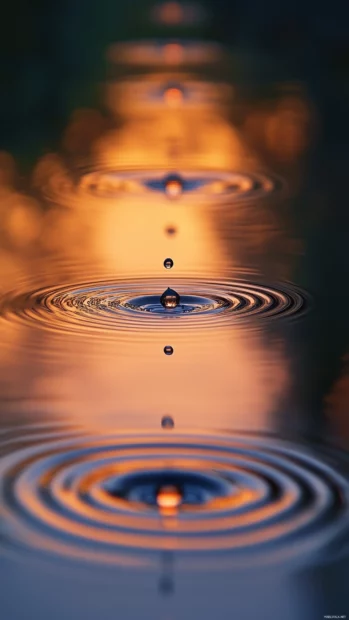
173,186
168,350
168,263
170,299
167,422
171,230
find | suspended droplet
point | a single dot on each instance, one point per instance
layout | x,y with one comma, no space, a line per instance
167,422
168,500
173,186
171,230
170,299
168,263
168,350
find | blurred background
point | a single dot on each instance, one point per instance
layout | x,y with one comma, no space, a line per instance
54,54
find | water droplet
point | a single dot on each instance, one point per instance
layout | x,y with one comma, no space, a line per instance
173,186
170,299
168,350
168,263
168,500
171,230
167,422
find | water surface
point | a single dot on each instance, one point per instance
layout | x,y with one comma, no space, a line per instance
176,459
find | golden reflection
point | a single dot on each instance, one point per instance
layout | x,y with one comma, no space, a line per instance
217,379
168,500
288,129
7,171
285,127
150,53
173,53
171,13
170,299
173,97
191,136
85,126
23,221
228,377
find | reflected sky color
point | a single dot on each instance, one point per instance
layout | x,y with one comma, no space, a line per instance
115,398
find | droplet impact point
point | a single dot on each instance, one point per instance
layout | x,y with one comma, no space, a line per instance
173,96
173,186
168,263
167,422
170,299
168,500
168,350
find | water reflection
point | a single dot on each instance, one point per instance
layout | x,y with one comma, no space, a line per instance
159,53
84,323
102,496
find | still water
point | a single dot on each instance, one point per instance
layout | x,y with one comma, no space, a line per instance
174,347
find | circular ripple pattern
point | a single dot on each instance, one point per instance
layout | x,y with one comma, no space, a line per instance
245,499
199,186
107,307
163,52
203,184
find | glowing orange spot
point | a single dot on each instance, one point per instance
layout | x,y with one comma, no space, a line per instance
173,188
171,13
173,97
168,500
173,53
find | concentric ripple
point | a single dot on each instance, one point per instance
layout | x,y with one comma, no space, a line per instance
245,499
203,184
108,307
165,52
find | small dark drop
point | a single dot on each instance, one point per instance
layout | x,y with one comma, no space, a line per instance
167,422
168,350
171,230
168,263
170,299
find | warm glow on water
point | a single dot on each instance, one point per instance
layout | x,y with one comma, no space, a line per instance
173,328
171,13
168,500
111,227
173,97
173,53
